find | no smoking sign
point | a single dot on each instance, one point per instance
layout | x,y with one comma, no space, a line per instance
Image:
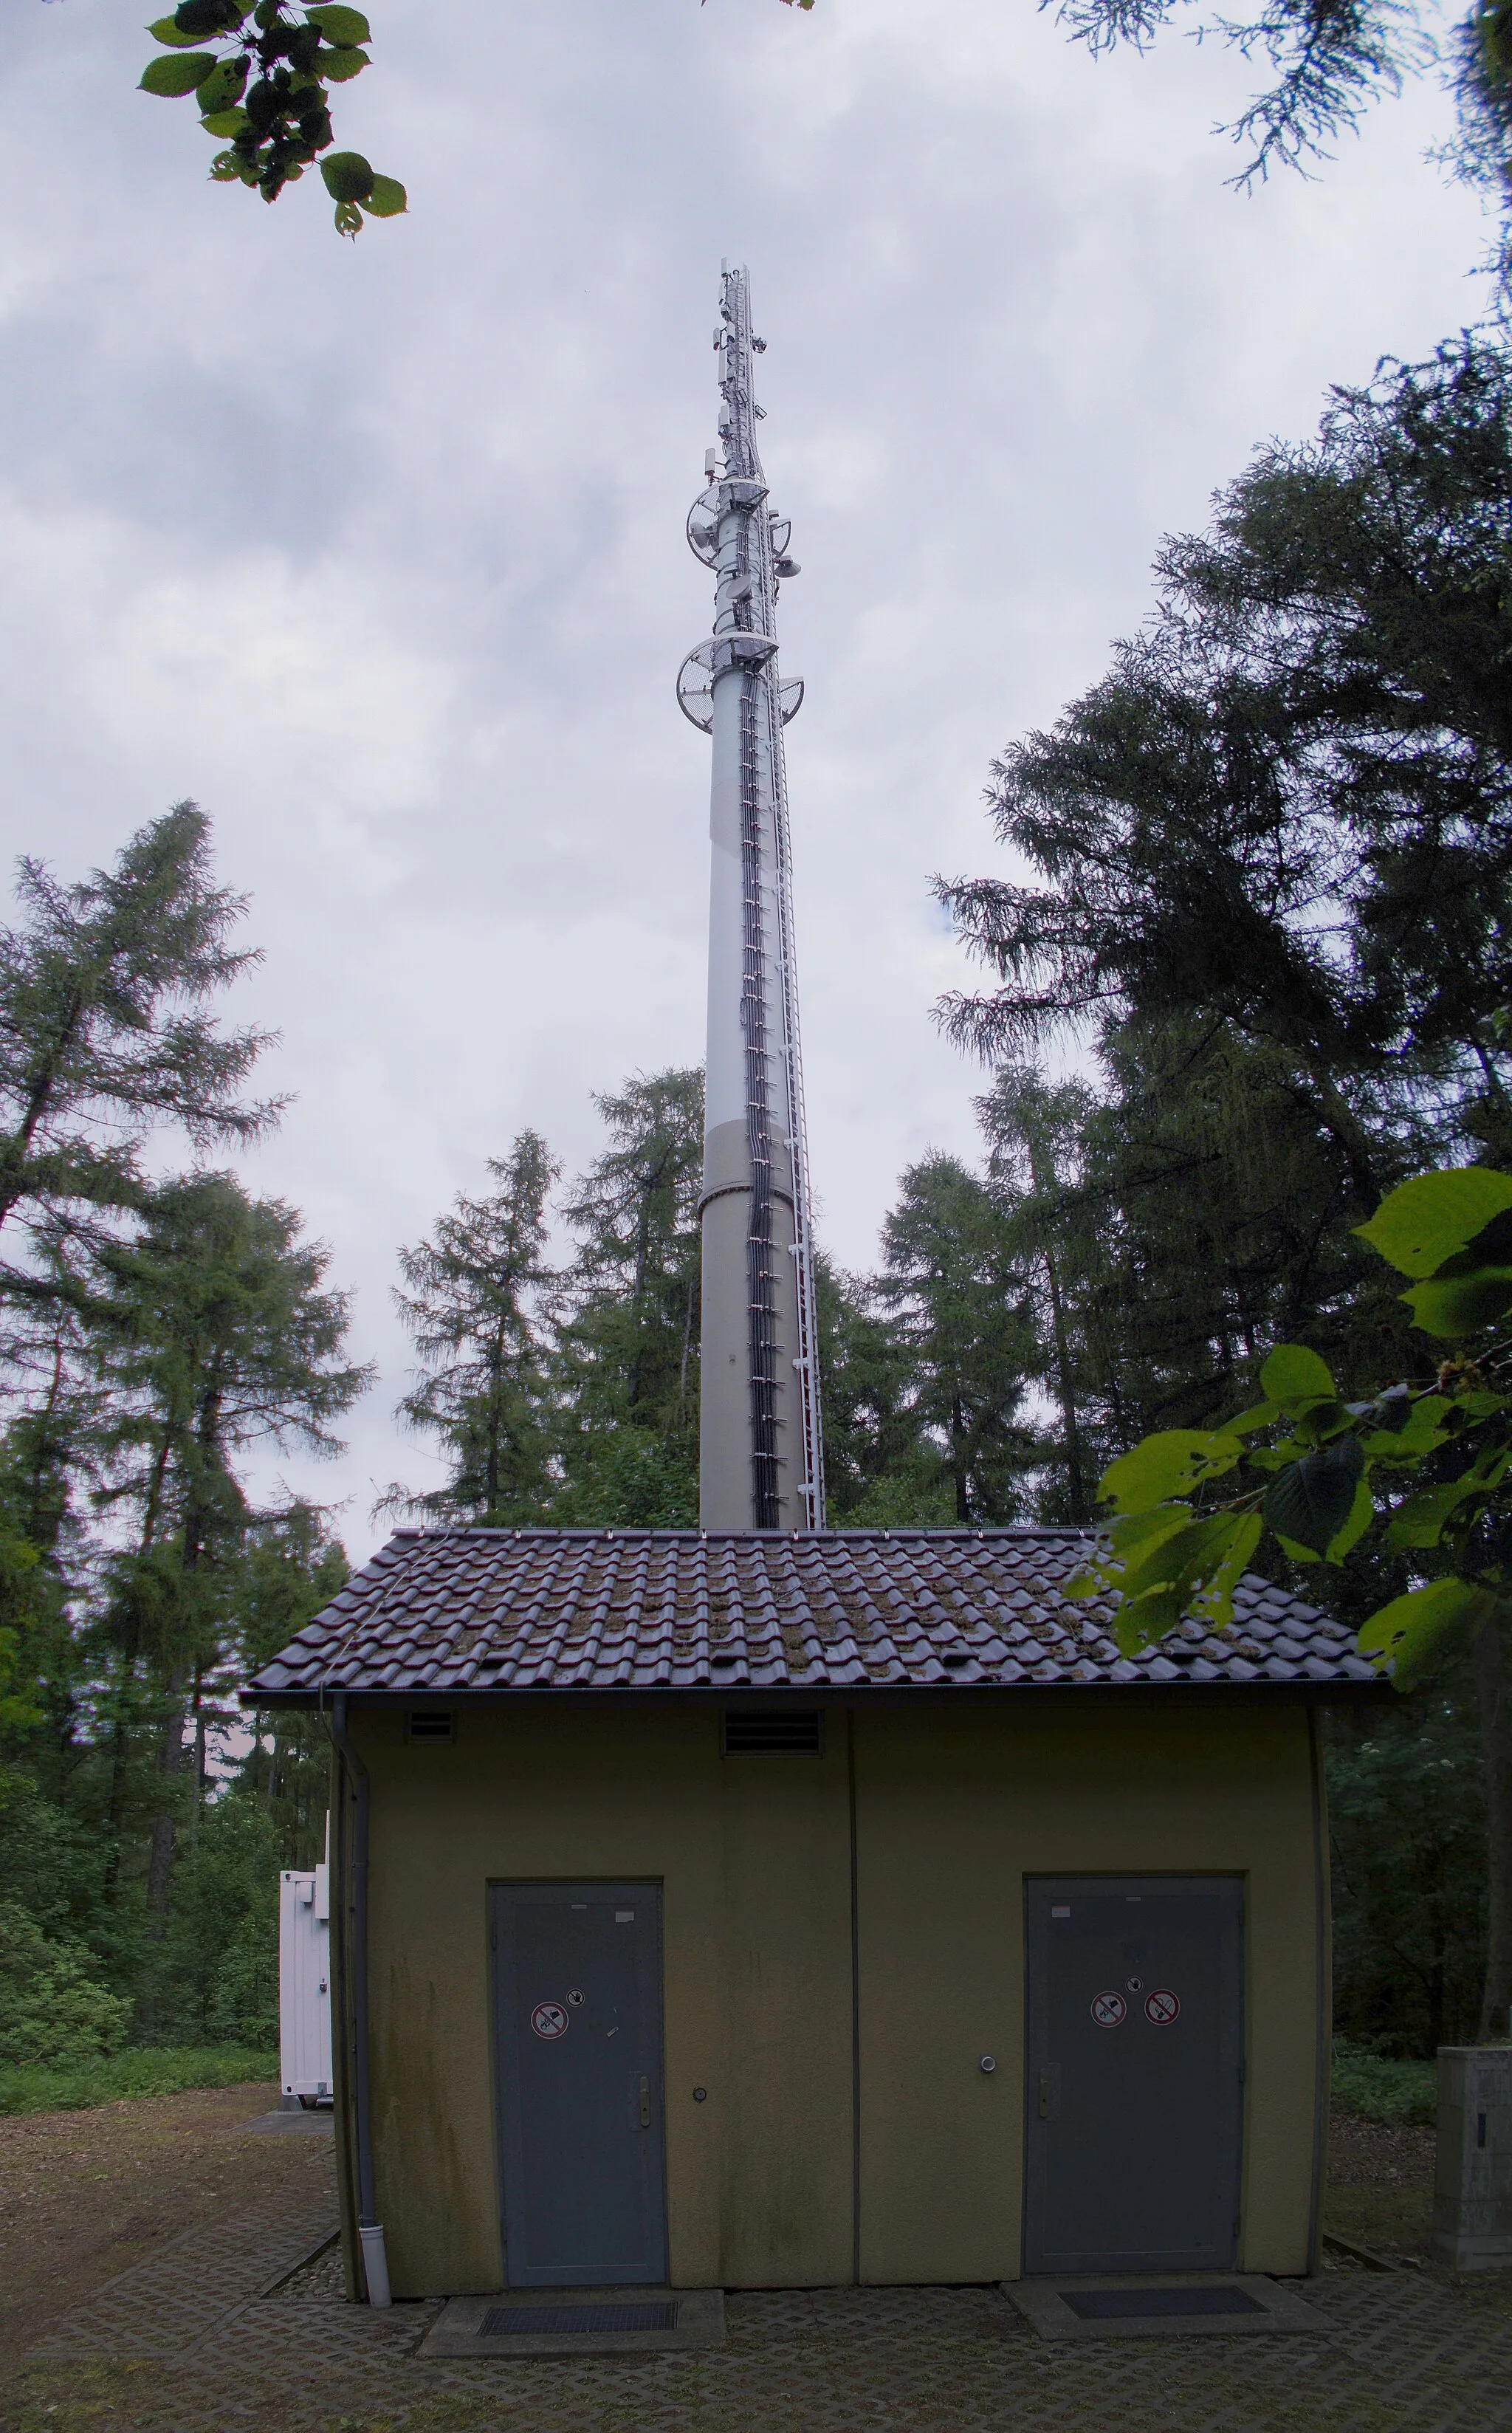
549,2020
1162,2007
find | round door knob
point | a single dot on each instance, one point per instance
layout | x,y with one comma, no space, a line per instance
987,2065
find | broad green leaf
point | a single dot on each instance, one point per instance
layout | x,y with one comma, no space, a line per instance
1276,1457
224,121
164,30
1263,1415
1165,1465
1419,1521
1410,1632
1426,1221
1162,1583
1128,1531
348,220
1295,1377
1458,1305
172,78
1419,1434
1216,1602
340,25
1311,1500
1362,1512
203,18
223,88
339,66
387,200
349,178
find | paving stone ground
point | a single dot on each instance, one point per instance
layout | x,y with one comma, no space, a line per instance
226,2328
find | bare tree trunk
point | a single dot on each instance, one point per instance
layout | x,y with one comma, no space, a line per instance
1494,1697
1075,1479
161,1846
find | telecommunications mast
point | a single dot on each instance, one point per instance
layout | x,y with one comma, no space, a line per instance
760,1461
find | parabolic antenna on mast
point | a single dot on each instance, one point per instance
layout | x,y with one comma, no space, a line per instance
760,1461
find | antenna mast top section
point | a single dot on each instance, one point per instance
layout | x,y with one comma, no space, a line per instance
737,348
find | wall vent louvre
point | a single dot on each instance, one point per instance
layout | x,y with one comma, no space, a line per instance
779,1732
430,1724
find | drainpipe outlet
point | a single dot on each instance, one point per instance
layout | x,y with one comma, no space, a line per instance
375,2263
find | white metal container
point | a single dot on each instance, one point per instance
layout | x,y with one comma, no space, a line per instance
304,1982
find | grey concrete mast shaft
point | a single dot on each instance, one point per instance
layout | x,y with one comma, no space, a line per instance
760,1463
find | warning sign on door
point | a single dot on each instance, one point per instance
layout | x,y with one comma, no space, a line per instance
1162,2007
1110,2009
549,2020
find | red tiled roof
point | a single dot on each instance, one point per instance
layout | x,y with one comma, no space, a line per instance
502,1611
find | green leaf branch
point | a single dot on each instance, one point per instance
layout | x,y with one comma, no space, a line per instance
261,78
1318,1472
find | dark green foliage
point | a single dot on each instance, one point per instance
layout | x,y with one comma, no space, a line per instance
1286,815
476,1304
1408,1825
627,1345
155,1336
959,1299
266,89
106,1029
1329,63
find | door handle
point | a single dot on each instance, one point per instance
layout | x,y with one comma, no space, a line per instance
645,2103
1045,2095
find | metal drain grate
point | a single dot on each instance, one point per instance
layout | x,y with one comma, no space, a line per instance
1110,2306
658,2315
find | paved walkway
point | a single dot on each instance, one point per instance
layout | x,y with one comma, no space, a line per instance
227,2328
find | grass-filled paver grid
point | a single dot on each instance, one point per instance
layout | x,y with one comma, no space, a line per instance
184,2344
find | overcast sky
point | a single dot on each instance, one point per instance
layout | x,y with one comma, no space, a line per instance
377,550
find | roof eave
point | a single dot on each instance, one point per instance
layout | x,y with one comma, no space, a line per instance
1311,1692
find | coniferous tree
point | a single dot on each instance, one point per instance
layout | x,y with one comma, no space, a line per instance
476,1304
627,1352
218,1338
957,1288
1286,813
105,1031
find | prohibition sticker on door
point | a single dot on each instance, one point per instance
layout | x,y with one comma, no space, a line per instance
1162,2007
549,2020
1109,2009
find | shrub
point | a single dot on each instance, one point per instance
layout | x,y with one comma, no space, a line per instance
52,2012
1396,2093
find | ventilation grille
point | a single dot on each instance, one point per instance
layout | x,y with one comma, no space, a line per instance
430,1724
780,1733
500,2322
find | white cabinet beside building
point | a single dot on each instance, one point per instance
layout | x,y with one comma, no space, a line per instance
304,1983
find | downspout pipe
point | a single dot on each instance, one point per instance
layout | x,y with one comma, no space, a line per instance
369,2229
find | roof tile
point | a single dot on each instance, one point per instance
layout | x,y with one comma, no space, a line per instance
496,1611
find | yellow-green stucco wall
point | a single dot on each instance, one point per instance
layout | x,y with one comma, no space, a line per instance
770,1996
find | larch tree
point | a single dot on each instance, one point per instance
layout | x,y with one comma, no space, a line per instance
476,1300
627,1352
219,1335
957,1290
108,1031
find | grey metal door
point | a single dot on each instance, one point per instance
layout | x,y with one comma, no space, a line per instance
1135,2051
577,2035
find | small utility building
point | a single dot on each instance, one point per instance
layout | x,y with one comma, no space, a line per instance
766,1909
